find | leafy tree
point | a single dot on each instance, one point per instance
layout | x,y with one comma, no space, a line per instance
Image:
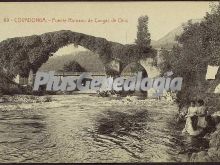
199,46
73,66
143,36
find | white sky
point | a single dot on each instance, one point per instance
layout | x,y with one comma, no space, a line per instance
163,17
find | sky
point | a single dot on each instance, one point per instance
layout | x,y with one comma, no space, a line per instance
163,17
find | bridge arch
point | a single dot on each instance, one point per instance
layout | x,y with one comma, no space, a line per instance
147,65
148,68
20,55
132,68
86,59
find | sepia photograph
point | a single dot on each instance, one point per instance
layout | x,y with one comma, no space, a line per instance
110,82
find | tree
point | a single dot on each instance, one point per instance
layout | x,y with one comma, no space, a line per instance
73,66
143,36
198,46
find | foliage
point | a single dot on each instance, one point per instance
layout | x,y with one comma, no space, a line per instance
6,82
199,46
21,54
143,36
73,66
87,59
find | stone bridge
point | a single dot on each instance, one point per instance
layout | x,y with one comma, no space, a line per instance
21,55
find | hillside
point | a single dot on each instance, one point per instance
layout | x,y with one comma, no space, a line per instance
91,62
169,39
87,59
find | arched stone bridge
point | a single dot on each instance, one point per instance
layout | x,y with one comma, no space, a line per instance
20,55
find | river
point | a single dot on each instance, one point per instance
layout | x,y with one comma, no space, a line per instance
86,128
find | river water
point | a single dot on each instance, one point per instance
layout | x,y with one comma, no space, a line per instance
87,128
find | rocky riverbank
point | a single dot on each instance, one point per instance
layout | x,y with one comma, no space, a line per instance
142,125
24,99
211,152
83,128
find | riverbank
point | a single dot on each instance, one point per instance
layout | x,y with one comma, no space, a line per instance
86,128
81,128
211,136
24,99
212,154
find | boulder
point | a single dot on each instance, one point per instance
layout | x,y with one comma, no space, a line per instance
201,156
215,138
213,153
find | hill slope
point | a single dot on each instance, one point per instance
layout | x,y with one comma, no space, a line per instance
87,59
169,39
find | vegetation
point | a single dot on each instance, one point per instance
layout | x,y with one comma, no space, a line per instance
143,36
73,66
87,59
21,54
198,46
6,83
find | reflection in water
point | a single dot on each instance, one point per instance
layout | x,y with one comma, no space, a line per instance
188,144
122,128
193,144
121,123
83,128
143,135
